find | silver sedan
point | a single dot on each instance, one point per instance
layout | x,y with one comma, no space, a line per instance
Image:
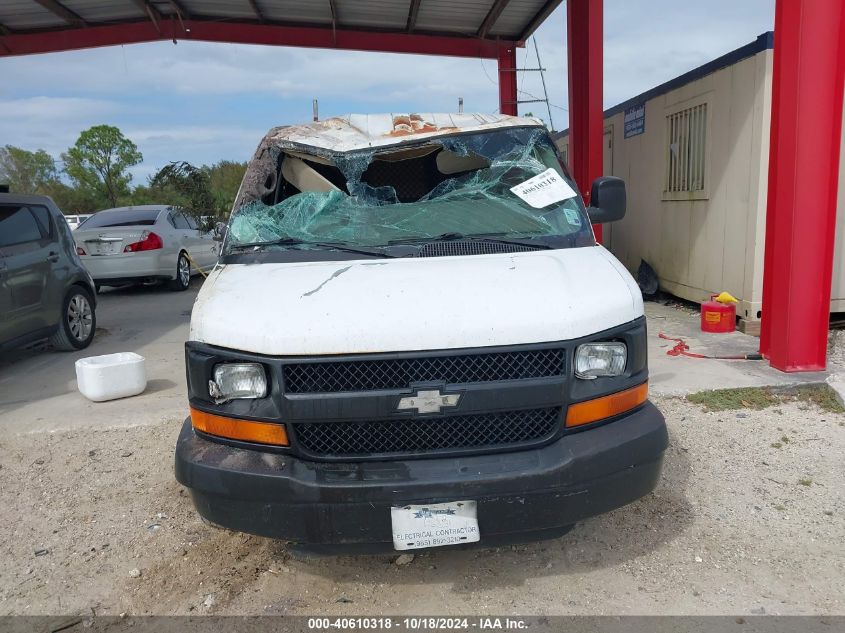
142,244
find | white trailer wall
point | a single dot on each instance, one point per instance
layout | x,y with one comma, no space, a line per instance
703,242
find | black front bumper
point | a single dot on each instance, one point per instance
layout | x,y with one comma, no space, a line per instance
522,496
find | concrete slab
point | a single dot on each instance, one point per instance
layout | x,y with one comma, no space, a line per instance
38,387
681,375
837,383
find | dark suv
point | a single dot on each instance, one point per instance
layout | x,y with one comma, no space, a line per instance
45,291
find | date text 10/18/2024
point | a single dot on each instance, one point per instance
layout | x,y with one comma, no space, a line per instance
431,623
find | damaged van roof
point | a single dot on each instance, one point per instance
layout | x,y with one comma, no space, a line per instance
361,131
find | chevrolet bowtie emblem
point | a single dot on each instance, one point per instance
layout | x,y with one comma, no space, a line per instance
429,401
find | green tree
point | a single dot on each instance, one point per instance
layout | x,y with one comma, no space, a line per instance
143,194
99,161
73,199
27,172
207,192
180,184
224,180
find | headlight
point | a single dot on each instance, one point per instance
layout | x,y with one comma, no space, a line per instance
600,359
233,381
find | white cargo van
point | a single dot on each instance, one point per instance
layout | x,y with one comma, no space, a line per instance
413,340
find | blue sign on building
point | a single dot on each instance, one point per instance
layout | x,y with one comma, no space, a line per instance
635,120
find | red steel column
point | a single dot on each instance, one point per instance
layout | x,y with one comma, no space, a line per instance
807,91
507,80
586,117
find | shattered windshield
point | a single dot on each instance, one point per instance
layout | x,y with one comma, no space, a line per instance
503,183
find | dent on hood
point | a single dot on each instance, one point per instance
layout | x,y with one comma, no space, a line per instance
334,275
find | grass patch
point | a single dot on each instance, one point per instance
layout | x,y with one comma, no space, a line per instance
758,398
726,399
805,482
820,395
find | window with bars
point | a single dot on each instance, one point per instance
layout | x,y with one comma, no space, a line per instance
686,153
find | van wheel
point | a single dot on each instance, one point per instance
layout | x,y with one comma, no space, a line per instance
183,274
77,323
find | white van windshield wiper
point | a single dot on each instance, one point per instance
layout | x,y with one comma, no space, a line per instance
290,241
479,237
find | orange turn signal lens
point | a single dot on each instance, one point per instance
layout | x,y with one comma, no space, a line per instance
235,429
606,406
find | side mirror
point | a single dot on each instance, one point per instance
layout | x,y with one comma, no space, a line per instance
219,231
607,200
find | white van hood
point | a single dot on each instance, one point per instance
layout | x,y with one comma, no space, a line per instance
386,305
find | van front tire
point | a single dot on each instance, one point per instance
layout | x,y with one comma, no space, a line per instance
183,274
77,322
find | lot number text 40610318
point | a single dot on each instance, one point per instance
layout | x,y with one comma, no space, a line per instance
424,623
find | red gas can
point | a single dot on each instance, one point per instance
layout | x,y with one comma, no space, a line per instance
718,316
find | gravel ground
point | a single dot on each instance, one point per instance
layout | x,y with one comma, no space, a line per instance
747,520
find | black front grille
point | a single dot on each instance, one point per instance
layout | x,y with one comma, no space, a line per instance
400,373
472,247
493,430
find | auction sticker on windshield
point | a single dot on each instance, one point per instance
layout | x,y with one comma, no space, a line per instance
435,524
544,189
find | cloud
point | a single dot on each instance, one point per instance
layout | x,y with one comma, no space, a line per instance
204,102
50,123
195,144
201,68
646,43
58,108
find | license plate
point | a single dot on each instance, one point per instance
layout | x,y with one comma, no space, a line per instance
434,525
104,248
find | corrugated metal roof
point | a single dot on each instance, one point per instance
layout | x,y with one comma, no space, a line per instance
297,11
456,17
26,14
435,17
237,9
105,10
512,18
380,14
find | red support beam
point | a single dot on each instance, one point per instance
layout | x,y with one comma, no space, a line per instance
507,80
807,92
246,33
586,118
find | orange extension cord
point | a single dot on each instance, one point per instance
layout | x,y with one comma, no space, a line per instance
682,349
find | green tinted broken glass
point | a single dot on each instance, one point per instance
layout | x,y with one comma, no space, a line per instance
478,202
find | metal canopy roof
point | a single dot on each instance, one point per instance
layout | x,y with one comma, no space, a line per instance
479,27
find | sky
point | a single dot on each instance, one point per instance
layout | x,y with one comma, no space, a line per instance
204,102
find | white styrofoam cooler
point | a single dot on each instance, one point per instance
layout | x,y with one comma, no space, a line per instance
111,376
